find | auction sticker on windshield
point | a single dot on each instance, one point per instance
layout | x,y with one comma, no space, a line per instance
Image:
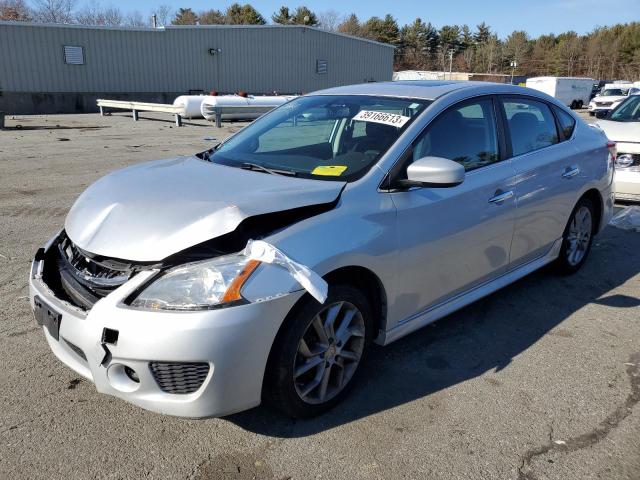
382,117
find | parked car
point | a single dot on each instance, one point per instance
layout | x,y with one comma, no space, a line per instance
409,199
572,92
612,95
622,126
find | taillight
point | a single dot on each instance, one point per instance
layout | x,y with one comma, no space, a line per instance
613,152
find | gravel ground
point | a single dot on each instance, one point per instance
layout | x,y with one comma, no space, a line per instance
538,381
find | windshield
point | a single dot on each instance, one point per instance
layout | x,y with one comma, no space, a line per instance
612,92
325,137
628,111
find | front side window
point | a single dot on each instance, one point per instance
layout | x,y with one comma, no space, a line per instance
465,133
325,137
531,125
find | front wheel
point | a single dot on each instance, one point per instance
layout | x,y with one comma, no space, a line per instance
316,357
577,237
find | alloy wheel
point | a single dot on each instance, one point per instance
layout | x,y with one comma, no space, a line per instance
579,235
329,352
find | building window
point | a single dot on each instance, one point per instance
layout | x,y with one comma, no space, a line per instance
321,66
73,55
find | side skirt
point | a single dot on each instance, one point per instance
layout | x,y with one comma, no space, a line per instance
436,312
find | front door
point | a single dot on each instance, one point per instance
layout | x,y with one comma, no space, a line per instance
452,239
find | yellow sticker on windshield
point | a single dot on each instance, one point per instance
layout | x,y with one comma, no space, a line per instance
331,170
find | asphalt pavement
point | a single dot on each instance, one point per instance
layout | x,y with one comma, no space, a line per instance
540,380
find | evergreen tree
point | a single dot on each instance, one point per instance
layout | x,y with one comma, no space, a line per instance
185,16
245,14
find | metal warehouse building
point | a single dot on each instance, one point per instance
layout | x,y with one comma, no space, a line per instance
65,68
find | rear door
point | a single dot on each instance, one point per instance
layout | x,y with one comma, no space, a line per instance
547,167
452,239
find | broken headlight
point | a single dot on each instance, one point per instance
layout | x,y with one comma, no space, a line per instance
197,286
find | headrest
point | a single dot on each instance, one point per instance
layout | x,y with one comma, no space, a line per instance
379,129
524,120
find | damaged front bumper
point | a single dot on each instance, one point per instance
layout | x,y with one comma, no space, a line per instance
192,364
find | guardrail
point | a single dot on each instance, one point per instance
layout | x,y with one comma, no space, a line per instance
237,109
135,107
178,110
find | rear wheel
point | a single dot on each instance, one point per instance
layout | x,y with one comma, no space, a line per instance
316,357
580,104
573,105
577,238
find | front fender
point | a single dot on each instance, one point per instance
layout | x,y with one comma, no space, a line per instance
360,231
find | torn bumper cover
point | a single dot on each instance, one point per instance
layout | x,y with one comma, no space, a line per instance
183,363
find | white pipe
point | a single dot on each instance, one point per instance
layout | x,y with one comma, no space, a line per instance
209,105
191,104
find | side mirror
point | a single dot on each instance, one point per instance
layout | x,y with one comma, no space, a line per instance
434,172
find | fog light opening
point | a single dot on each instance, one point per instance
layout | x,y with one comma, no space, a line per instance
123,378
131,373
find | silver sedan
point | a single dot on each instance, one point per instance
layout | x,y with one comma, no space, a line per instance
264,268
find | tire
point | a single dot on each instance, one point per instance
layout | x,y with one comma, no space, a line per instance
573,105
580,104
591,114
577,238
285,386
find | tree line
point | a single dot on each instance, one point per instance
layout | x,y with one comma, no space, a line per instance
604,53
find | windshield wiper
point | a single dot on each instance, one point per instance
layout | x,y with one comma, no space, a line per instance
272,171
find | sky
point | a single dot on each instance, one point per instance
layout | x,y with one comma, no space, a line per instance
504,16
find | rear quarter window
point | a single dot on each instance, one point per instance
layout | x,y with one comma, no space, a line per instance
567,122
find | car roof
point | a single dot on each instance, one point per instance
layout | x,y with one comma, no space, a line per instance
423,89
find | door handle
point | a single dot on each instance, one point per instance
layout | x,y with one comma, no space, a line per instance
570,172
501,196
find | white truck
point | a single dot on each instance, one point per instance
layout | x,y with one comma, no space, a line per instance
572,91
612,95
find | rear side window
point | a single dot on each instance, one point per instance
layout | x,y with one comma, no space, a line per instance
531,125
567,122
466,133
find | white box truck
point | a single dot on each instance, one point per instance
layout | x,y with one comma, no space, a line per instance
573,92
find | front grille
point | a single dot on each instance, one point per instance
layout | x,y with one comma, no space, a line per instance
634,156
80,277
179,378
604,104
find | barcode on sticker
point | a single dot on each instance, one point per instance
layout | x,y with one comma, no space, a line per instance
381,117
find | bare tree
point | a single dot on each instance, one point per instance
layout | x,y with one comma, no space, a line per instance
329,20
14,11
54,11
113,16
94,14
163,14
135,19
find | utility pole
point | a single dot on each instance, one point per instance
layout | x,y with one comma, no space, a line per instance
514,64
450,64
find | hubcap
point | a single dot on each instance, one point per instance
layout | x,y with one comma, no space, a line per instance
579,236
329,352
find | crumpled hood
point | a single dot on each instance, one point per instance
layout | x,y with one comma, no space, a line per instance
149,211
625,132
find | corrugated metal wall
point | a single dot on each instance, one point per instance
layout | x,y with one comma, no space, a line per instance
176,59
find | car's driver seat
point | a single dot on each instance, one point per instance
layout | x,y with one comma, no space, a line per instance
377,139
